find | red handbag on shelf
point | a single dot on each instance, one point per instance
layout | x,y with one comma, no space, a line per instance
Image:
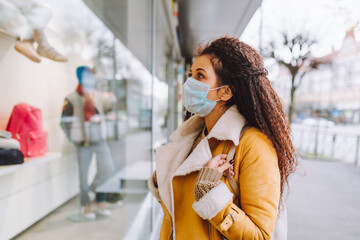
25,124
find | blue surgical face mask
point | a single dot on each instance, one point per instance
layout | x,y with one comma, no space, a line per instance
194,98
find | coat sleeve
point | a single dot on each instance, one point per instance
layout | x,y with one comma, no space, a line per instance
152,185
259,182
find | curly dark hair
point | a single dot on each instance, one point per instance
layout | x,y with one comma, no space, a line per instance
240,66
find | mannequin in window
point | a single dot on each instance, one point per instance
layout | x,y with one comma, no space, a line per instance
83,121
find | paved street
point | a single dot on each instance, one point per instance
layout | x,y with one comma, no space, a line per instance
324,202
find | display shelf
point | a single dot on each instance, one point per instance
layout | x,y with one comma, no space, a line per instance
131,179
7,33
30,162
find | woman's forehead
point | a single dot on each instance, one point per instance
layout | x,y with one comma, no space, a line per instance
202,62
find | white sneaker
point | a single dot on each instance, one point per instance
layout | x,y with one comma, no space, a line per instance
101,210
119,203
87,216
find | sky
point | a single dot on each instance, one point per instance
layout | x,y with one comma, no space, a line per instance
325,20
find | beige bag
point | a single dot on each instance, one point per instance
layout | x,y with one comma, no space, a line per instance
280,230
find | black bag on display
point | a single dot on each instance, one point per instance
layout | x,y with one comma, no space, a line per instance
12,156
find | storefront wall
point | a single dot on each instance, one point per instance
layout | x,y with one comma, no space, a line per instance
30,191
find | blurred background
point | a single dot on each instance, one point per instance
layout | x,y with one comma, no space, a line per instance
142,51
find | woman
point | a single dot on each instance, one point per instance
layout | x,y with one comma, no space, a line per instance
227,89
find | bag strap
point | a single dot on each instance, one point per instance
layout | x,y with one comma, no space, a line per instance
231,180
230,156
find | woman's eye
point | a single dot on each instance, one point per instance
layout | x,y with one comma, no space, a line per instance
199,75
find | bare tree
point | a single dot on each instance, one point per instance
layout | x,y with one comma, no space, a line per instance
293,53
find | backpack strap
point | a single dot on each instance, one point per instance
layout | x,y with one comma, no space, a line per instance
230,156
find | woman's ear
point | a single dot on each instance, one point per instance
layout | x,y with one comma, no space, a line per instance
226,93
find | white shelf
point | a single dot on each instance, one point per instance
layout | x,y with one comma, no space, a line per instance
30,162
7,33
140,171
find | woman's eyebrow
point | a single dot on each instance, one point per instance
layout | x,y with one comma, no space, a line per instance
201,69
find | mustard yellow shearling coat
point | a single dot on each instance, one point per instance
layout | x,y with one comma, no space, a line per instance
217,213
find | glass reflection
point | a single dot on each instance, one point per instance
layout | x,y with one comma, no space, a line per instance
84,121
101,150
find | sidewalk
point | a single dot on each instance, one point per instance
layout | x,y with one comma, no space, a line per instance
324,202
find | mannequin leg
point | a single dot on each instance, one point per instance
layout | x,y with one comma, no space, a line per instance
84,159
104,164
13,20
105,168
45,50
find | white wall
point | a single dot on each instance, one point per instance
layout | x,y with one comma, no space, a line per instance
28,194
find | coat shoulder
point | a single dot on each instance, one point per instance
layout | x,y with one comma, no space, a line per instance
254,144
254,138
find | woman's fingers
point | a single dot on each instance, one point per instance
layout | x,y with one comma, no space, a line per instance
231,173
220,156
216,161
224,166
221,162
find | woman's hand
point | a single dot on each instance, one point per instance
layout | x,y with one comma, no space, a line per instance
220,164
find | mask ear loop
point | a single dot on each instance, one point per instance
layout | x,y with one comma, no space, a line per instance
216,89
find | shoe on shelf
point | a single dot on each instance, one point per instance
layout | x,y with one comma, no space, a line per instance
101,209
87,213
26,48
45,49
51,53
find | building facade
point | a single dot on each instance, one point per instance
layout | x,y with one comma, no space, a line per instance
333,90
